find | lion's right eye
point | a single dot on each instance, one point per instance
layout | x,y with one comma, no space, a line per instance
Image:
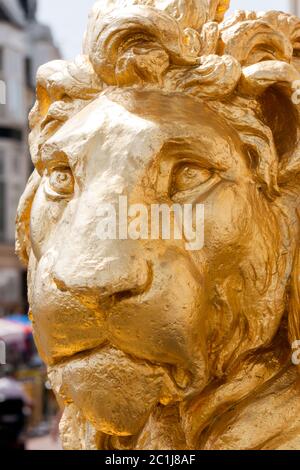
61,181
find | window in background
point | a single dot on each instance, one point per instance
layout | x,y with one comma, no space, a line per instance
2,197
16,163
2,84
15,98
1,60
16,86
28,72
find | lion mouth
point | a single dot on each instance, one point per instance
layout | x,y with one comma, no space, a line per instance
179,376
115,391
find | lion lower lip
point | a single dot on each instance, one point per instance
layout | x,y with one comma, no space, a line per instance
180,377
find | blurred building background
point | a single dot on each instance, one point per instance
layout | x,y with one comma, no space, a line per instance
25,44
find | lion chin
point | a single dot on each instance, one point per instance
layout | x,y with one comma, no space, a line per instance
234,429
260,391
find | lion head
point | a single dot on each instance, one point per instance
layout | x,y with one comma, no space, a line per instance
148,344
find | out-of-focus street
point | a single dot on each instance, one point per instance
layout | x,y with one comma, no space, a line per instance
27,405
43,443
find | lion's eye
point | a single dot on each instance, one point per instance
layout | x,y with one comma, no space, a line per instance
189,176
61,181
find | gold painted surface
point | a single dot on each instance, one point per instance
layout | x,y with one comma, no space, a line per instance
149,345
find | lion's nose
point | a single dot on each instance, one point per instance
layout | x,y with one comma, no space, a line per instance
100,282
104,294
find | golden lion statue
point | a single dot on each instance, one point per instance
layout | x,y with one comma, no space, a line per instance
150,345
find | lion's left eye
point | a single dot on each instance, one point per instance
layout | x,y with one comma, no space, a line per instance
189,176
61,181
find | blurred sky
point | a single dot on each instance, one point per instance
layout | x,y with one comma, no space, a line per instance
68,18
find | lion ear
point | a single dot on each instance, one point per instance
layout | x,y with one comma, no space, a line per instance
282,116
23,245
275,85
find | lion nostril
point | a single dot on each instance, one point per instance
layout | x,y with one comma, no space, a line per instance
126,294
107,302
